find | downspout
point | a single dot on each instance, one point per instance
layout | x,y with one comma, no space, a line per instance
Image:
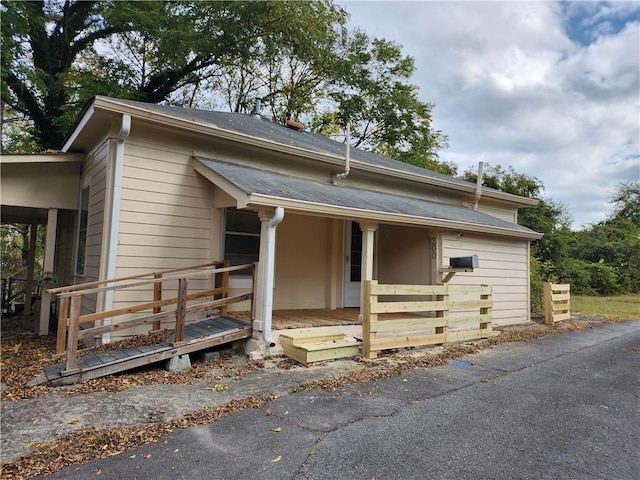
478,186
269,268
114,229
343,175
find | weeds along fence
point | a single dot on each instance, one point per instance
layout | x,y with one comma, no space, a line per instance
175,308
557,300
428,320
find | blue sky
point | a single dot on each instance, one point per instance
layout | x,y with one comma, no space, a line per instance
550,88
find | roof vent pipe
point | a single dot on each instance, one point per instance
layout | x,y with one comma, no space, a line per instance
343,175
478,186
256,108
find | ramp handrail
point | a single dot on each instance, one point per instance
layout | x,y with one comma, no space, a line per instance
70,318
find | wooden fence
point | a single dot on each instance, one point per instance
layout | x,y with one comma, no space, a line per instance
556,302
149,313
428,321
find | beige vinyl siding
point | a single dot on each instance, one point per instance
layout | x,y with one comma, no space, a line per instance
506,214
503,265
165,218
96,170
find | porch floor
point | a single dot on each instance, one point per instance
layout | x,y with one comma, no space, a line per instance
315,317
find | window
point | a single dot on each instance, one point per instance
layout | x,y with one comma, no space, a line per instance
241,238
83,220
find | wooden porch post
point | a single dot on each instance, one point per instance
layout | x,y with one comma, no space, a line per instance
181,309
157,296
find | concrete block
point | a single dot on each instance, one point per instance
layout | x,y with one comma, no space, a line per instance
211,356
179,363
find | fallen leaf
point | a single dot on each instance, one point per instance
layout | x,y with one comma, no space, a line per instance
218,387
98,472
277,430
132,456
75,421
277,459
176,450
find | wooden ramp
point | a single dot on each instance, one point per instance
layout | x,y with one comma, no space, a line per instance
200,335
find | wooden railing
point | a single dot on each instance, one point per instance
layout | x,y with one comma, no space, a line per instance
70,301
428,321
556,302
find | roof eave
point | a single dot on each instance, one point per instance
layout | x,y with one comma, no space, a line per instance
261,200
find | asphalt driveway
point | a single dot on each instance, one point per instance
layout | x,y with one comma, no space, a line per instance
560,407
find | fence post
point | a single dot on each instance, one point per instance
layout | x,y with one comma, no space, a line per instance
556,305
224,284
367,318
181,309
443,329
63,318
157,296
547,302
72,334
485,327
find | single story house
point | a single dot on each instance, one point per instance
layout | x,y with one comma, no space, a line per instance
141,187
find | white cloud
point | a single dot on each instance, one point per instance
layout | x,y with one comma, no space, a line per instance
512,88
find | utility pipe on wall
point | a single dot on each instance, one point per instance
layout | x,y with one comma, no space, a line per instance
114,221
269,268
478,186
347,168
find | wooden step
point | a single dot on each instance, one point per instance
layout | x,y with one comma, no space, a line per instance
309,335
318,351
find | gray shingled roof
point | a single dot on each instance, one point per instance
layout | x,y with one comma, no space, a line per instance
266,129
255,181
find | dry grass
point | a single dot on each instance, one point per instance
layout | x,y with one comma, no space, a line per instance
620,307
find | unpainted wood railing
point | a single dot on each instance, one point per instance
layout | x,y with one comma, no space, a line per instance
557,298
70,301
410,331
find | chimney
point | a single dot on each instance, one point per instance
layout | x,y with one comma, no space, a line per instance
293,125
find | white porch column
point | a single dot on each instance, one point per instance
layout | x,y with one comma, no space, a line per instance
368,231
49,256
31,262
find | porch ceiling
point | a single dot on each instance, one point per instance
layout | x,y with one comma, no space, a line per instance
13,214
261,188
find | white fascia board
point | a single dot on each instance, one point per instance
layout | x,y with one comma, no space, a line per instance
225,185
79,127
334,211
42,158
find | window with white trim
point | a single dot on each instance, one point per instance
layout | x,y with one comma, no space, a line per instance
241,238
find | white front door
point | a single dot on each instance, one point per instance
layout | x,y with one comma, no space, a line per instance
353,264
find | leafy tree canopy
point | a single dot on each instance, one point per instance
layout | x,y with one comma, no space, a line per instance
626,202
298,56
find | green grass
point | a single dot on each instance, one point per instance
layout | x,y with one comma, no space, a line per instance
619,307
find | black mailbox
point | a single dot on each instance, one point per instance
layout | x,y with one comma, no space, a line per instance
464,262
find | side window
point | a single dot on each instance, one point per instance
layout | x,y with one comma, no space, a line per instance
241,237
83,220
